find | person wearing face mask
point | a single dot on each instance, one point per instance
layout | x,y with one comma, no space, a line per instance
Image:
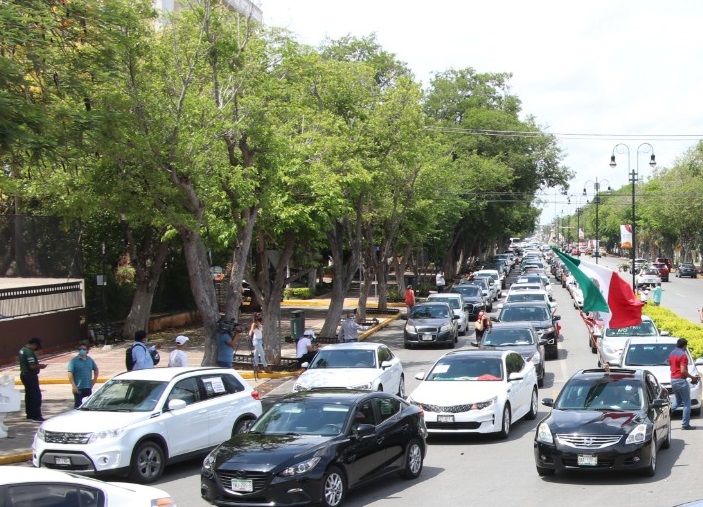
83,374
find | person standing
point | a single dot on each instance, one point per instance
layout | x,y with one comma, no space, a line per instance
29,374
256,335
483,322
141,357
657,295
678,363
225,347
82,374
178,356
440,282
409,298
350,329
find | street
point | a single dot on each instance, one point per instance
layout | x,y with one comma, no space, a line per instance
489,471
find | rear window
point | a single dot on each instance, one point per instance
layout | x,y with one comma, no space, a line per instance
453,302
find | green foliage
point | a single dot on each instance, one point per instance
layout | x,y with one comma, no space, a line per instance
298,293
667,320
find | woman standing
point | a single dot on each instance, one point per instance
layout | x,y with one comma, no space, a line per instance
257,341
482,323
409,298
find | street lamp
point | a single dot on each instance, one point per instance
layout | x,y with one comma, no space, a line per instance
634,175
596,198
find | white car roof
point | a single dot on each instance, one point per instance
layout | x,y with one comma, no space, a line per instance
354,345
167,374
533,291
486,271
643,340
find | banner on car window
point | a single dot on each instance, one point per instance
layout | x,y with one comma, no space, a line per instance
626,236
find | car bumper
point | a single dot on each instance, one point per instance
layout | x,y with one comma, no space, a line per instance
473,421
273,491
429,338
90,460
617,457
696,395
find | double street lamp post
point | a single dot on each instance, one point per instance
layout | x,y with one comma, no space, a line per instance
596,198
634,175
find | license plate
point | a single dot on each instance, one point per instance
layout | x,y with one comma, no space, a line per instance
445,418
246,485
587,461
426,337
63,461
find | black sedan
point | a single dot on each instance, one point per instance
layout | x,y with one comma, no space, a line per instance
474,301
686,269
312,447
539,315
519,337
603,420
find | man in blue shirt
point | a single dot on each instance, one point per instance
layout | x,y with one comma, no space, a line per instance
225,348
83,374
140,353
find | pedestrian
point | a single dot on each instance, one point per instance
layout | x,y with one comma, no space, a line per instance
483,322
178,356
304,348
350,329
29,374
256,335
700,314
440,282
644,294
141,356
225,339
657,295
409,298
678,363
82,374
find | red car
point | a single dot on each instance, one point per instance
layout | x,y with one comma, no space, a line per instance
663,270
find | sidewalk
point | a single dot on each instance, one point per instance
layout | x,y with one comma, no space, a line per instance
56,390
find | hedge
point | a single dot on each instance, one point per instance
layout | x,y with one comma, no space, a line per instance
667,320
298,293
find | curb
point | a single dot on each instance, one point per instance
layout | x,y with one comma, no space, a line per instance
15,458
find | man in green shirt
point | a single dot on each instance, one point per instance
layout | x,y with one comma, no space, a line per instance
29,374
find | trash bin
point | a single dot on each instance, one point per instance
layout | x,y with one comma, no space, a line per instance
297,323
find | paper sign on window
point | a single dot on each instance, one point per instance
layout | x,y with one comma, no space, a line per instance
214,385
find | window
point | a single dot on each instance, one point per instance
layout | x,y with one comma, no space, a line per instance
387,407
384,354
52,495
219,385
186,390
364,414
515,363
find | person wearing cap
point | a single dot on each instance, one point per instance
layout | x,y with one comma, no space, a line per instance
178,356
350,329
29,374
304,349
82,374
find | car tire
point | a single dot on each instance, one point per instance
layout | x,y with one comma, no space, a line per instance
543,472
651,469
413,460
534,407
505,423
334,487
408,345
667,441
148,462
240,425
401,387
540,381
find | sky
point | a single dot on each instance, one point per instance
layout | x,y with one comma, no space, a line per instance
595,74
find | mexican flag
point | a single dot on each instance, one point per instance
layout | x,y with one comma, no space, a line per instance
604,291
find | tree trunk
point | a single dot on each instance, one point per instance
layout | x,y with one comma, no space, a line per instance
240,252
382,285
364,289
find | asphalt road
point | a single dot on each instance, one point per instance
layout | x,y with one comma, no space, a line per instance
482,470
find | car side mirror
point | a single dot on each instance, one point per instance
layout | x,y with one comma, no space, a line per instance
364,430
657,403
305,364
664,333
514,377
556,317
420,375
386,364
176,404
548,402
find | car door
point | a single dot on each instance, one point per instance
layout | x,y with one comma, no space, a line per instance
390,377
660,416
185,427
225,400
520,394
391,432
365,455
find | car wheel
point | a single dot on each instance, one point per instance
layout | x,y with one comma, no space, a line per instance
407,345
542,472
505,424
147,463
413,460
401,387
240,425
667,442
532,414
333,487
540,380
651,469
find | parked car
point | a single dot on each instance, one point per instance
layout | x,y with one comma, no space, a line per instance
22,486
663,270
474,300
477,391
314,447
356,365
485,289
648,276
652,353
141,420
612,341
540,317
604,420
429,324
686,269
520,338
498,281
456,302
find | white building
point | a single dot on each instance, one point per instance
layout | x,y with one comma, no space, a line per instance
246,8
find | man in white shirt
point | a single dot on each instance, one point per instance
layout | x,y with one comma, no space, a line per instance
178,356
350,329
304,349
440,282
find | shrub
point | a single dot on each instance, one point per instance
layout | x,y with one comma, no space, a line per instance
394,294
298,293
667,320
424,289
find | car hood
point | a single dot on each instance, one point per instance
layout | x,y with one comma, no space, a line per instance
594,422
526,351
83,421
337,377
265,452
539,324
474,300
444,392
427,322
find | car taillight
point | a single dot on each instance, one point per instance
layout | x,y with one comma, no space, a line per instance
255,394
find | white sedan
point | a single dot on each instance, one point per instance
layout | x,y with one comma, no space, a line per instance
38,486
356,365
477,391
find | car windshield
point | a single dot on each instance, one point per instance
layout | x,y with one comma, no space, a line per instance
529,279
122,395
429,312
525,286
344,358
605,393
453,302
303,418
650,354
644,328
522,297
504,337
467,290
466,368
523,313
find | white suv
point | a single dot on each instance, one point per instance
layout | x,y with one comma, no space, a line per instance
139,421
612,341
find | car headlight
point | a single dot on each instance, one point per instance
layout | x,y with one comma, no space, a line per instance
544,434
410,329
637,435
445,328
484,404
209,464
41,433
549,329
104,434
610,350
366,385
300,468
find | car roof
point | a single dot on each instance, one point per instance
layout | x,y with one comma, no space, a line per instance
643,340
596,373
524,303
530,291
486,272
511,325
475,354
168,374
454,295
332,395
353,346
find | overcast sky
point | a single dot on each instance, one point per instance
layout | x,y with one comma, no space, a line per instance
624,71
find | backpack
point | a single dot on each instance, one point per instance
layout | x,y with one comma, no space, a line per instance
154,356
129,360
